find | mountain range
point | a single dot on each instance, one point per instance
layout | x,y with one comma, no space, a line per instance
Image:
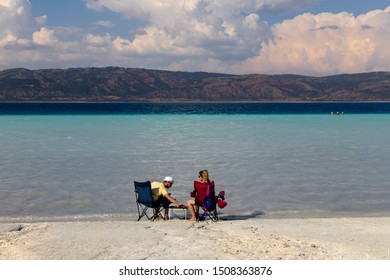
135,84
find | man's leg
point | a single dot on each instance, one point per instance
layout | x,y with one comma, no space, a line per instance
166,204
166,214
156,213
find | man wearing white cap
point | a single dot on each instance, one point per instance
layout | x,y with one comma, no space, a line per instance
160,193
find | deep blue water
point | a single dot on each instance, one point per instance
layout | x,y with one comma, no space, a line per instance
196,108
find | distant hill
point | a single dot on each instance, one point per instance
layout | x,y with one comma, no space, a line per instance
132,84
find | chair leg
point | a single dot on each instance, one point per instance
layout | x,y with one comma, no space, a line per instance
156,213
140,215
212,215
142,211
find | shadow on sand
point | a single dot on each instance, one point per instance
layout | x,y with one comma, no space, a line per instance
242,216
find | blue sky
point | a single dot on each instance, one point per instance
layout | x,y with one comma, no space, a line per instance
309,37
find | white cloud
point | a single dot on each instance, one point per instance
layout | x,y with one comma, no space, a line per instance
217,29
201,35
44,37
15,19
105,23
326,44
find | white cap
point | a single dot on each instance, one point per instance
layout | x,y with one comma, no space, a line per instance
168,179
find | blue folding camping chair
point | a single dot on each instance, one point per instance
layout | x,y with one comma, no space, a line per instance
144,199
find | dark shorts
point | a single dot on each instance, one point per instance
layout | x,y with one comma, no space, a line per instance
163,202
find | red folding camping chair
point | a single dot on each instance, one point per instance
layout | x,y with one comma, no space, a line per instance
205,199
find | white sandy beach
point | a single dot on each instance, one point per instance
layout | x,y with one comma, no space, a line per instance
365,238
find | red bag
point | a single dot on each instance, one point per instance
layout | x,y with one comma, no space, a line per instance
222,203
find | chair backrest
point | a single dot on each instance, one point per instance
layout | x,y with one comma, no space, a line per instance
203,190
143,192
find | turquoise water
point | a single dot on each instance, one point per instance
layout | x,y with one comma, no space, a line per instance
53,165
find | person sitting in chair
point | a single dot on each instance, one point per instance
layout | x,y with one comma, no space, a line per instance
203,178
160,193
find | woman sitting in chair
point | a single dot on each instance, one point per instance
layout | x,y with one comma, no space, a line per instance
203,178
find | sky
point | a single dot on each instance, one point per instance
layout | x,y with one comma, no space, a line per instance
306,37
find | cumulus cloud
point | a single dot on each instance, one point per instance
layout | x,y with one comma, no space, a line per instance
15,20
212,27
44,37
185,26
326,44
197,35
228,31
17,26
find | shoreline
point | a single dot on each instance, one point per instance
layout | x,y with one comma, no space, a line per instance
337,238
229,216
